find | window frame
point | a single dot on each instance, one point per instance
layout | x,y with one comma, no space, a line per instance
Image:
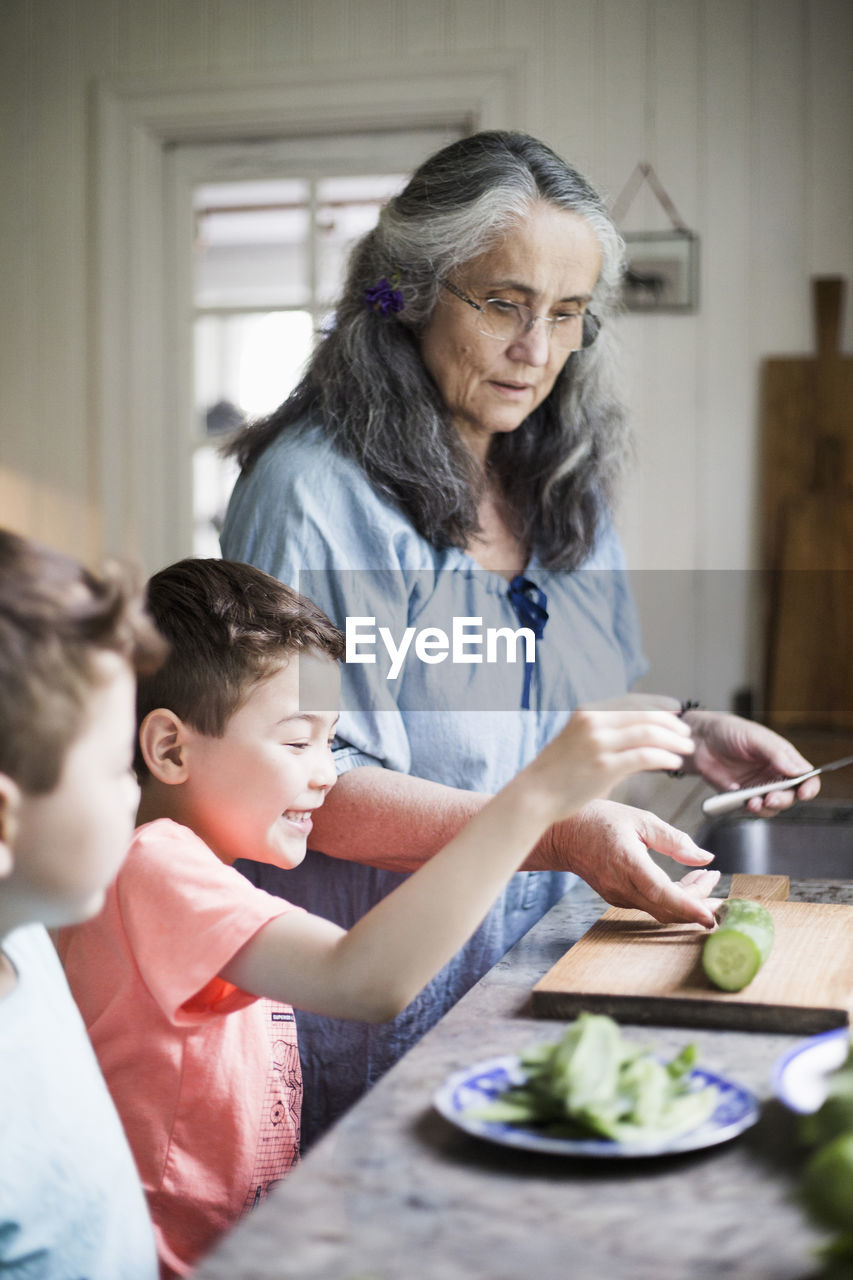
141,396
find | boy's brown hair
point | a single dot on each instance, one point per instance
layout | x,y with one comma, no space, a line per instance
229,625
55,618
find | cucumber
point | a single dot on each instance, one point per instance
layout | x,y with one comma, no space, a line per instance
736,950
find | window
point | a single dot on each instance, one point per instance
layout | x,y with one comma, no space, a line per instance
270,249
269,262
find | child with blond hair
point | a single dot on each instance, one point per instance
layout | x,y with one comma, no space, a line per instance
187,979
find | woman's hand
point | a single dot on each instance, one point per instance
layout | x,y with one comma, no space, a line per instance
732,752
607,845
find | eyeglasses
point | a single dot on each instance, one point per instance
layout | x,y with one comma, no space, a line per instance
507,321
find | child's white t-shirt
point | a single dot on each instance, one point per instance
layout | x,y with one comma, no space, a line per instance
71,1203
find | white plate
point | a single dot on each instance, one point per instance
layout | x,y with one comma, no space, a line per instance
801,1076
736,1110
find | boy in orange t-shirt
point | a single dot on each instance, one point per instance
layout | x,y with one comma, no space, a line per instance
176,976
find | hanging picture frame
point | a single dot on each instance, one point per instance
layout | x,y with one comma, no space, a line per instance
662,271
662,267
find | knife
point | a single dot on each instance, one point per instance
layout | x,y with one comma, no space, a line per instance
728,800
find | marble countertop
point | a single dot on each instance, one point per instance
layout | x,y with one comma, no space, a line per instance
394,1192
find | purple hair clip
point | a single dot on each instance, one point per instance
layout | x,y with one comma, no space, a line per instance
385,297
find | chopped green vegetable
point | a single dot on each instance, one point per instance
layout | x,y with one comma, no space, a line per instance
827,1183
835,1115
592,1083
736,950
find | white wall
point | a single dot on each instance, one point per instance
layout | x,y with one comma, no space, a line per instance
744,107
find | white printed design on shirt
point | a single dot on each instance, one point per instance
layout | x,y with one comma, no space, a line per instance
278,1136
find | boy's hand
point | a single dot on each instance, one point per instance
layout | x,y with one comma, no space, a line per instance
606,742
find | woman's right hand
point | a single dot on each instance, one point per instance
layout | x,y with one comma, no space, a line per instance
607,845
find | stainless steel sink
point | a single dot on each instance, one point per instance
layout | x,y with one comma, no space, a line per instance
813,840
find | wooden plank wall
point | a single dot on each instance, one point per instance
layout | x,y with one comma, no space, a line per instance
743,106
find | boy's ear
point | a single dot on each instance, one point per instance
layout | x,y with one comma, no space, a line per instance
10,803
163,742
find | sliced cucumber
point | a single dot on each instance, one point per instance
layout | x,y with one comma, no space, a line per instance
736,950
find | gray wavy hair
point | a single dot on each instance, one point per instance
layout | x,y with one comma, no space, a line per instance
368,386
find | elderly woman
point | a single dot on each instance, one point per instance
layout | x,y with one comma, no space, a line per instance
449,460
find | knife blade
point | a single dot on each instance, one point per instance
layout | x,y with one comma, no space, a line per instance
726,801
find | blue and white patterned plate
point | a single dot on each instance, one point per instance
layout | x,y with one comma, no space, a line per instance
737,1109
800,1077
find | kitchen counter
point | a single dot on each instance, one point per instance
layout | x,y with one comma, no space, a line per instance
394,1192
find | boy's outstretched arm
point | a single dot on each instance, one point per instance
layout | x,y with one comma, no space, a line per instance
373,971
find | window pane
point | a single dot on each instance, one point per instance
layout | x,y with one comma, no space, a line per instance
251,362
361,187
245,365
347,208
264,278
252,244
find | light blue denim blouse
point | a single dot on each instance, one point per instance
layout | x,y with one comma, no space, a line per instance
310,517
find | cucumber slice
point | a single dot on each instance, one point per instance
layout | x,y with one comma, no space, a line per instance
736,950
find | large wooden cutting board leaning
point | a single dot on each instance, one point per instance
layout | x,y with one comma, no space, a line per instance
633,968
807,525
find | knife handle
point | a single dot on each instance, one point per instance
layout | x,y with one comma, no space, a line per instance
726,801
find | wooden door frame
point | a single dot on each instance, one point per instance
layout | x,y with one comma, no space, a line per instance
143,477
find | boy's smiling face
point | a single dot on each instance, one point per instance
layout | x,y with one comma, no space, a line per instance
251,793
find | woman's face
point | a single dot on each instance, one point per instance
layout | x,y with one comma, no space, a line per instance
550,262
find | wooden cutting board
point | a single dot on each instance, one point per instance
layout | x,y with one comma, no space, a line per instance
807,506
810,645
631,967
804,399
